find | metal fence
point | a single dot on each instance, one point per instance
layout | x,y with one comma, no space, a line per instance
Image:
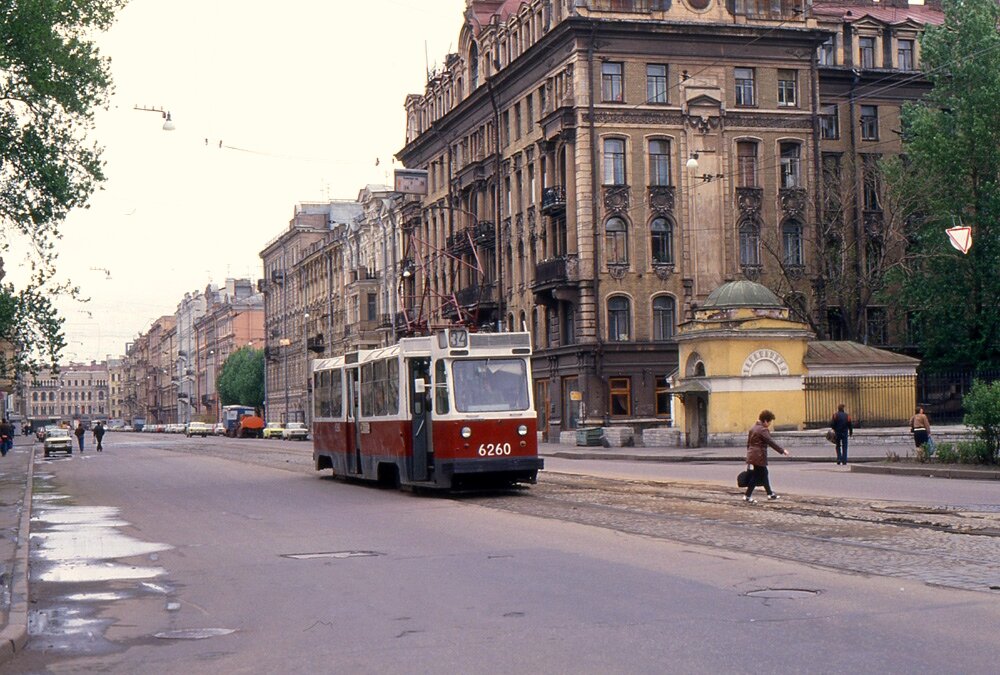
941,394
871,400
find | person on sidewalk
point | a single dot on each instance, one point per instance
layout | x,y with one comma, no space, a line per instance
98,435
758,441
79,432
6,437
920,427
842,426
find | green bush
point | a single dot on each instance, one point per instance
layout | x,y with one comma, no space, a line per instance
982,413
946,453
922,456
974,452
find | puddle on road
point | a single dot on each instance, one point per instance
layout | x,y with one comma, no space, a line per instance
783,593
193,633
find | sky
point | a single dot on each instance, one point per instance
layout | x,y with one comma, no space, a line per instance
304,96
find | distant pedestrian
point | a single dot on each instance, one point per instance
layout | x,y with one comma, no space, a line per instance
6,437
758,441
80,432
842,426
98,435
920,427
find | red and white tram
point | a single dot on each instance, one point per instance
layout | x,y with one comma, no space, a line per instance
449,410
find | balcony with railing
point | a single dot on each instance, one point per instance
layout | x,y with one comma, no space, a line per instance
553,200
554,276
316,343
479,295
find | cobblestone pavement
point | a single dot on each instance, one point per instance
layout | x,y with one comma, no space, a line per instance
957,547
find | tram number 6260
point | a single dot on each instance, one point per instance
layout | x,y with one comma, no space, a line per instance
494,449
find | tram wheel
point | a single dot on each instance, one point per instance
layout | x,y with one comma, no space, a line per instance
388,476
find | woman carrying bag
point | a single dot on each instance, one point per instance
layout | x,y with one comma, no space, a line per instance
758,441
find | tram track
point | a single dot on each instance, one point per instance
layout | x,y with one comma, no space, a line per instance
860,536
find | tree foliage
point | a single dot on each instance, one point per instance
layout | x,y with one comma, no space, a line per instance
982,412
52,78
241,380
951,175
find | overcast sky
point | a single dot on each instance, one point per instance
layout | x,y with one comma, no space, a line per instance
307,94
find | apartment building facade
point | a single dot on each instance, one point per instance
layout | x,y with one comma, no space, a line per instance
595,169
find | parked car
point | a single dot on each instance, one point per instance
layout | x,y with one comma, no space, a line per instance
198,429
57,440
273,430
219,429
295,431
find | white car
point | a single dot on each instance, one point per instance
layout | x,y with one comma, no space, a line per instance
295,431
198,429
57,440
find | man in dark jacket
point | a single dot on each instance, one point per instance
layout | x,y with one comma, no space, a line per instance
98,435
841,425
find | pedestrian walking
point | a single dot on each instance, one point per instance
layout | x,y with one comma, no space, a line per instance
758,441
842,427
920,427
80,432
98,435
6,437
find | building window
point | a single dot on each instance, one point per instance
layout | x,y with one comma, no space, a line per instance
611,82
656,83
791,175
619,319
787,88
662,241
616,241
828,52
614,161
870,182
876,325
664,317
659,162
662,397
904,55
866,52
744,86
829,122
746,157
749,243
619,396
791,238
869,123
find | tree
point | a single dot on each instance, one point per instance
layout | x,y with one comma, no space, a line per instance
52,78
982,412
951,174
241,380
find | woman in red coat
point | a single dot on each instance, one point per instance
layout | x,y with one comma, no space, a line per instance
758,441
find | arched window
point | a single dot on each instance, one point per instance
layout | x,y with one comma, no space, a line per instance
749,243
616,241
662,241
664,317
619,319
791,172
473,67
791,239
522,323
659,162
614,161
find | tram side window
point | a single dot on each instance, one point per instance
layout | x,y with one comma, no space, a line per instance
336,393
379,387
368,390
392,387
440,388
321,394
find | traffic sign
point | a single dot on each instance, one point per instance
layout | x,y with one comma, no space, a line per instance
960,238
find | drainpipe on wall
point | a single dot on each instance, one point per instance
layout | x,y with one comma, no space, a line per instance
595,205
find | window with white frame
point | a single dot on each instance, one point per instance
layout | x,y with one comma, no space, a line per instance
749,243
662,241
791,239
619,319
866,51
869,123
612,76
614,161
659,162
791,174
904,54
829,121
828,52
744,84
787,88
656,83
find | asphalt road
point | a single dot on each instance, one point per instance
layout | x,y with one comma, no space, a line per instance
168,555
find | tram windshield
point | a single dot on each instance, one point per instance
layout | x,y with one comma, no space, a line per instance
490,385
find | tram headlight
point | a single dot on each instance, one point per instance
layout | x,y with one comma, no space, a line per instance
466,432
522,430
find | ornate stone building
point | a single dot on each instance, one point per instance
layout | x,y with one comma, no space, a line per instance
596,168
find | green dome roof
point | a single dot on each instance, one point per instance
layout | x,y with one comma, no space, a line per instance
742,293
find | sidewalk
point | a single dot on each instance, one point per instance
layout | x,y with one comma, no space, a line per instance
15,516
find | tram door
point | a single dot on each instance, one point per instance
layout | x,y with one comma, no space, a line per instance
353,422
420,415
